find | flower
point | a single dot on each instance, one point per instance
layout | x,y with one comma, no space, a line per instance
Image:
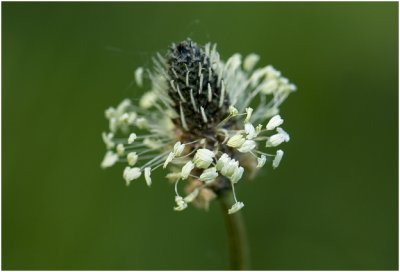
206,120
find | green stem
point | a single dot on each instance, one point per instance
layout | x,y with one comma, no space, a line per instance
238,246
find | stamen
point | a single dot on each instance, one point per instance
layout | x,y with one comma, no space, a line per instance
209,73
183,120
203,114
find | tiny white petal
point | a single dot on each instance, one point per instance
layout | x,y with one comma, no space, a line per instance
250,131
131,174
170,157
250,61
247,146
249,112
237,175
147,172
139,76
132,158
274,122
261,161
109,159
236,207
277,159
132,138
203,158
209,175
120,149
236,141
186,169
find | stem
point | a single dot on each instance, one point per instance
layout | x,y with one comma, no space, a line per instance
238,245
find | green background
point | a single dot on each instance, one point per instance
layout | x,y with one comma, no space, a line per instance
332,204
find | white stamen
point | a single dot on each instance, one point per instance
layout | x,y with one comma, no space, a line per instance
275,140
131,174
233,111
181,204
175,74
247,146
249,111
261,161
132,138
187,79
170,157
147,172
132,158
236,207
178,148
209,175
277,159
120,149
236,141
109,159
209,73
203,158
186,169
237,175
139,76
108,139
250,131
274,122
250,61
284,134
142,123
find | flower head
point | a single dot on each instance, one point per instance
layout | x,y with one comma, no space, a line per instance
206,120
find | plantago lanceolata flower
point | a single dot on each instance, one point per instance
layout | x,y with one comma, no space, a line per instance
205,120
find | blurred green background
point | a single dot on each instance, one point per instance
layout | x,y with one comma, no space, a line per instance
332,204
